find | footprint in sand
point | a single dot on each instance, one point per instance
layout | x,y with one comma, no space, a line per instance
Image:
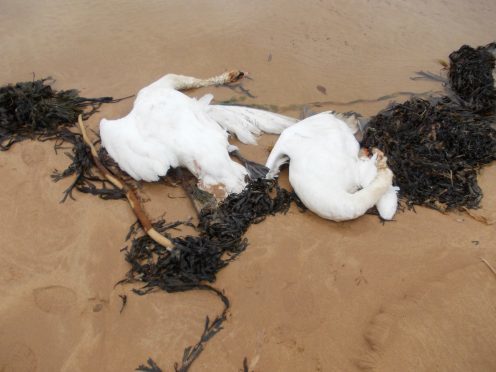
445,322
33,154
17,357
54,299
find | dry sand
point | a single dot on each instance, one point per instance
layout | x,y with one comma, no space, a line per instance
308,294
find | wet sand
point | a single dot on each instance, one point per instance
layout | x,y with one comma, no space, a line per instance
308,294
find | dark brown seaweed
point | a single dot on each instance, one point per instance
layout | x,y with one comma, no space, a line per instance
471,77
34,110
150,367
196,260
436,147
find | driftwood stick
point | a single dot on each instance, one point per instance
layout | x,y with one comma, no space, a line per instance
493,270
131,196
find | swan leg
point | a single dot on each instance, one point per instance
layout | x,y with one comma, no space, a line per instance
255,170
199,198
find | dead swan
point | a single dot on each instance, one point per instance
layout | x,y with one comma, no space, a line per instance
327,172
166,128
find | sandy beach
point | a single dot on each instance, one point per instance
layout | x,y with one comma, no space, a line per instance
308,294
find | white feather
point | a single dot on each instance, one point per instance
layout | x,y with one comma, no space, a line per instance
247,123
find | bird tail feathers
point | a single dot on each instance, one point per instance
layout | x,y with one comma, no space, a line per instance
248,123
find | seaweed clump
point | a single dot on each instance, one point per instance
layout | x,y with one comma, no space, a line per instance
34,110
471,77
435,151
436,147
195,260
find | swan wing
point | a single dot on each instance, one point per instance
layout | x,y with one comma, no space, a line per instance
248,123
142,160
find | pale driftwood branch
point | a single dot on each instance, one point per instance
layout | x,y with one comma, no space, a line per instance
493,270
131,196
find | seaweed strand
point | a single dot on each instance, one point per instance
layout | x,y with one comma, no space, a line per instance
196,260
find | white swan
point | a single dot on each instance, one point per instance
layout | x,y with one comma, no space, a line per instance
327,171
166,128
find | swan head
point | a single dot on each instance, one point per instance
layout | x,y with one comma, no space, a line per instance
388,203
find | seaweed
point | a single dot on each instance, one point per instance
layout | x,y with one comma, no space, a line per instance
124,303
196,260
210,330
241,101
151,367
471,77
82,166
245,364
34,110
435,149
